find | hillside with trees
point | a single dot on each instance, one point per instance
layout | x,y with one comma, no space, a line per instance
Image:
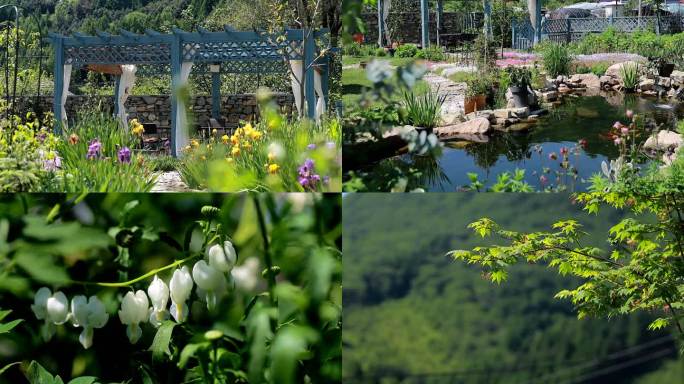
414,315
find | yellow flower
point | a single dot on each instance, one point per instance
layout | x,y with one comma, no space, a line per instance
235,140
137,129
194,143
271,156
273,168
238,132
235,151
203,157
187,148
225,139
247,145
248,128
214,131
141,160
230,160
256,135
209,147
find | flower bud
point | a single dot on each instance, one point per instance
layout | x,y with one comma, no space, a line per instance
222,258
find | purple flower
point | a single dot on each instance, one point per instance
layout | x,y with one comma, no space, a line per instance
52,163
124,155
307,177
94,149
331,145
311,146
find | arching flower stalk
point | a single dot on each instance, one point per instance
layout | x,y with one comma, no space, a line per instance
134,310
89,314
158,292
180,288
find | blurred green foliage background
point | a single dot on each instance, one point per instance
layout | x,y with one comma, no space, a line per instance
413,315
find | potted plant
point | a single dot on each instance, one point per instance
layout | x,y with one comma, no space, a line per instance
477,88
521,79
659,63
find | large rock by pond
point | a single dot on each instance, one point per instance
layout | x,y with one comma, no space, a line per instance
589,80
616,69
664,141
677,78
476,126
647,85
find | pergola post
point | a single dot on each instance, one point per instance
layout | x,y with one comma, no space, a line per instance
117,84
309,91
425,24
538,22
59,83
175,88
380,24
215,91
440,11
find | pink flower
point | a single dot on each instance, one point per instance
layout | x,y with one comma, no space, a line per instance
564,151
583,143
629,114
617,125
543,179
617,141
624,130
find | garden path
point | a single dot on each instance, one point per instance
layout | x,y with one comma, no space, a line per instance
170,182
454,92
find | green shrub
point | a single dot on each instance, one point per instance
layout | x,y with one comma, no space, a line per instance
432,53
630,75
380,52
162,163
423,111
556,59
582,69
462,77
351,49
406,50
599,69
478,85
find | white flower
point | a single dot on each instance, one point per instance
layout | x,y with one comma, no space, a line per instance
134,310
159,296
39,308
58,308
180,288
246,275
210,281
222,258
89,314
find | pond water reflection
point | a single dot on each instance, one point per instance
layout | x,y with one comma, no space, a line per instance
580,126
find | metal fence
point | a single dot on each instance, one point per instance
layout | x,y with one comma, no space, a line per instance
573,29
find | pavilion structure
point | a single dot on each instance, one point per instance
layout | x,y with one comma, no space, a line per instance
294,52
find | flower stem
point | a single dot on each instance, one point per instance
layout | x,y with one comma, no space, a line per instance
267,253
139,278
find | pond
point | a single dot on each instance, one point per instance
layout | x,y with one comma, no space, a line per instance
579,125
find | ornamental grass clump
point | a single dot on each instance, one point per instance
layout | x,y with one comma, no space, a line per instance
629,73
556,59
423,111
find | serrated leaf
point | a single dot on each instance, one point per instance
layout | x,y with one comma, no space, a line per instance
160,344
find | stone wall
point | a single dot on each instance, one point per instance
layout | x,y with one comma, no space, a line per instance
157,109
410,22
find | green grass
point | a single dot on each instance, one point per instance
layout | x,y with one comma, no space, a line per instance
397,61
354,81
462,77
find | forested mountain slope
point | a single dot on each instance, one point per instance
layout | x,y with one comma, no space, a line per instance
414,315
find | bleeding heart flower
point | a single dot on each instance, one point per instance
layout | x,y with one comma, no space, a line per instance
89,314
134,310
158,292
180,288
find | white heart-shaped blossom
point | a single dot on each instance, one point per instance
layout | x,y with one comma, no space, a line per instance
158,292
180,288
58,308
222,258
134,310
246,276
89,314
39,306
210,281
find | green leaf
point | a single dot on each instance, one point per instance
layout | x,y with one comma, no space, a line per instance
5,328
42,268
160,344
8,366
4,314
36,374
189,351
53,213
83,380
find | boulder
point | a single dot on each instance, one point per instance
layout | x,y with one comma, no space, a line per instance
606,80
511,112
549,96
479,125
647,85
664,141
588,80
615,69
677,78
